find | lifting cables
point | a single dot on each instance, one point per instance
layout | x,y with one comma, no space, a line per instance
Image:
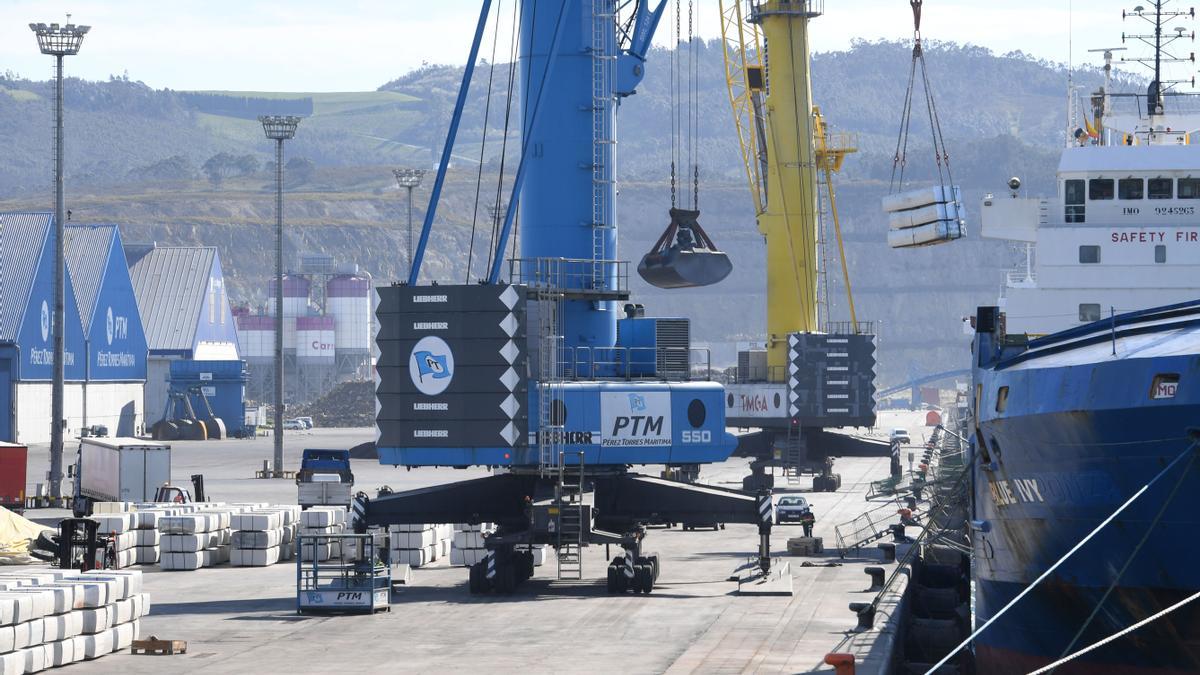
928,215
685,256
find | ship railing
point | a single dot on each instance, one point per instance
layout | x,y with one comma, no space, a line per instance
572,277
1021,279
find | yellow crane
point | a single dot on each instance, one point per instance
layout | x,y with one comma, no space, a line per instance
784,143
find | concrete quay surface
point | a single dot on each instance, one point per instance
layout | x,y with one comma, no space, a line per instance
244,619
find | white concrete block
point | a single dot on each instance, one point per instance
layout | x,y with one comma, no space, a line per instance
121,611
248,539
323,550
188,524
257,520
12,663
147,537
35,659
126,558
62,653
413,557
51,629
191,560
130,580
66,625
95,620
184,543
254,557
109,589
95,646
27,605
318,517
413,539
123,636
146,555
110,507
219,555
8,639
115,522
148,520
468,539
37,632
21,635
10,613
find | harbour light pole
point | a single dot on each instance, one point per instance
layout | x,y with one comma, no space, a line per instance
58,41
279,128
409,179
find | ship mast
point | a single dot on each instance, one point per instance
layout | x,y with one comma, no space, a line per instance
1160,41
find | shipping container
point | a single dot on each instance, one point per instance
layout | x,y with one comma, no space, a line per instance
13,467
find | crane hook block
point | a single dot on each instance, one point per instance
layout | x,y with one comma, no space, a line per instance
684,256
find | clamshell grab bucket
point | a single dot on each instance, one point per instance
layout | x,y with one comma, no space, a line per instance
684,256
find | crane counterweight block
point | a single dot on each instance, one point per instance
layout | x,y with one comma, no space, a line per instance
684,256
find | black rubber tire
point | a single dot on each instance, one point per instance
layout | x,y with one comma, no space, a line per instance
505,579
652,562
528,556
837,481
611,585
474,578
643,579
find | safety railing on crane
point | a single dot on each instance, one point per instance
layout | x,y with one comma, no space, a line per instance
571,275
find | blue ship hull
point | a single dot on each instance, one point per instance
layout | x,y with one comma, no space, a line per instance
1078,431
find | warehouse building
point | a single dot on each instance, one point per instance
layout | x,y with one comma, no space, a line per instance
115,344
103,376
181,294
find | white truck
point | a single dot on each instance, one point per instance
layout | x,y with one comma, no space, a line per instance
119,470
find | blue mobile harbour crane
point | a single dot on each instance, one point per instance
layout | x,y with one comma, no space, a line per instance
547,372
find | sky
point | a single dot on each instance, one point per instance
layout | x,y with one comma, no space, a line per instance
356,45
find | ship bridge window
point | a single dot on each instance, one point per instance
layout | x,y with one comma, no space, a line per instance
1073,195
1089,254
1161,188
1189,188
1100,188
1089,312
1131,188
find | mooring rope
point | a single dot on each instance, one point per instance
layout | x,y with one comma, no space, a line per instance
1060,561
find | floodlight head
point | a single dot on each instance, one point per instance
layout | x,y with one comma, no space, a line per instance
59,40
279,127
409,178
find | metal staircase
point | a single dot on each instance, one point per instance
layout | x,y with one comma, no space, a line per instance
548,295
569,498
603,81
792,454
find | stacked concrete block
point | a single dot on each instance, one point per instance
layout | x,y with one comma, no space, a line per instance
467,547
191,541
418,545
120,525
322,520
52,618
258,537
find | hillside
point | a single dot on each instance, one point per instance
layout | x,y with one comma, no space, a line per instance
193,168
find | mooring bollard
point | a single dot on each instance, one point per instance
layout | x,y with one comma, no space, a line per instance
889,551
843,664
866,615
876,574
898,534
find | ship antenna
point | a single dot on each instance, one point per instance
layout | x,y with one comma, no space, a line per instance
1160,41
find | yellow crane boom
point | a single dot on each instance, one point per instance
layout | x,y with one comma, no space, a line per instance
784,144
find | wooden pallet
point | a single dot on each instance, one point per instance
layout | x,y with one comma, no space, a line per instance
155,646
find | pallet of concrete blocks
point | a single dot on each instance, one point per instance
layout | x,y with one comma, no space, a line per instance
53,617
467,547
328,520
925,216
194,540
261,537
419,544
120,527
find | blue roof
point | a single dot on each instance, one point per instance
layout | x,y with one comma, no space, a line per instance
22,237
88,249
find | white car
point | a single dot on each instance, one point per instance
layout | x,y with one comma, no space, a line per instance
900,436
293,425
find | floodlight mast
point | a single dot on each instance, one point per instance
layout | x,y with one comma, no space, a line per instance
409,179
279,128
58,41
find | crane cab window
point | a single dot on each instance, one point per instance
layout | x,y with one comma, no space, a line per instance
1189,188
1100,188
1073,197
1161,188
1131,188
